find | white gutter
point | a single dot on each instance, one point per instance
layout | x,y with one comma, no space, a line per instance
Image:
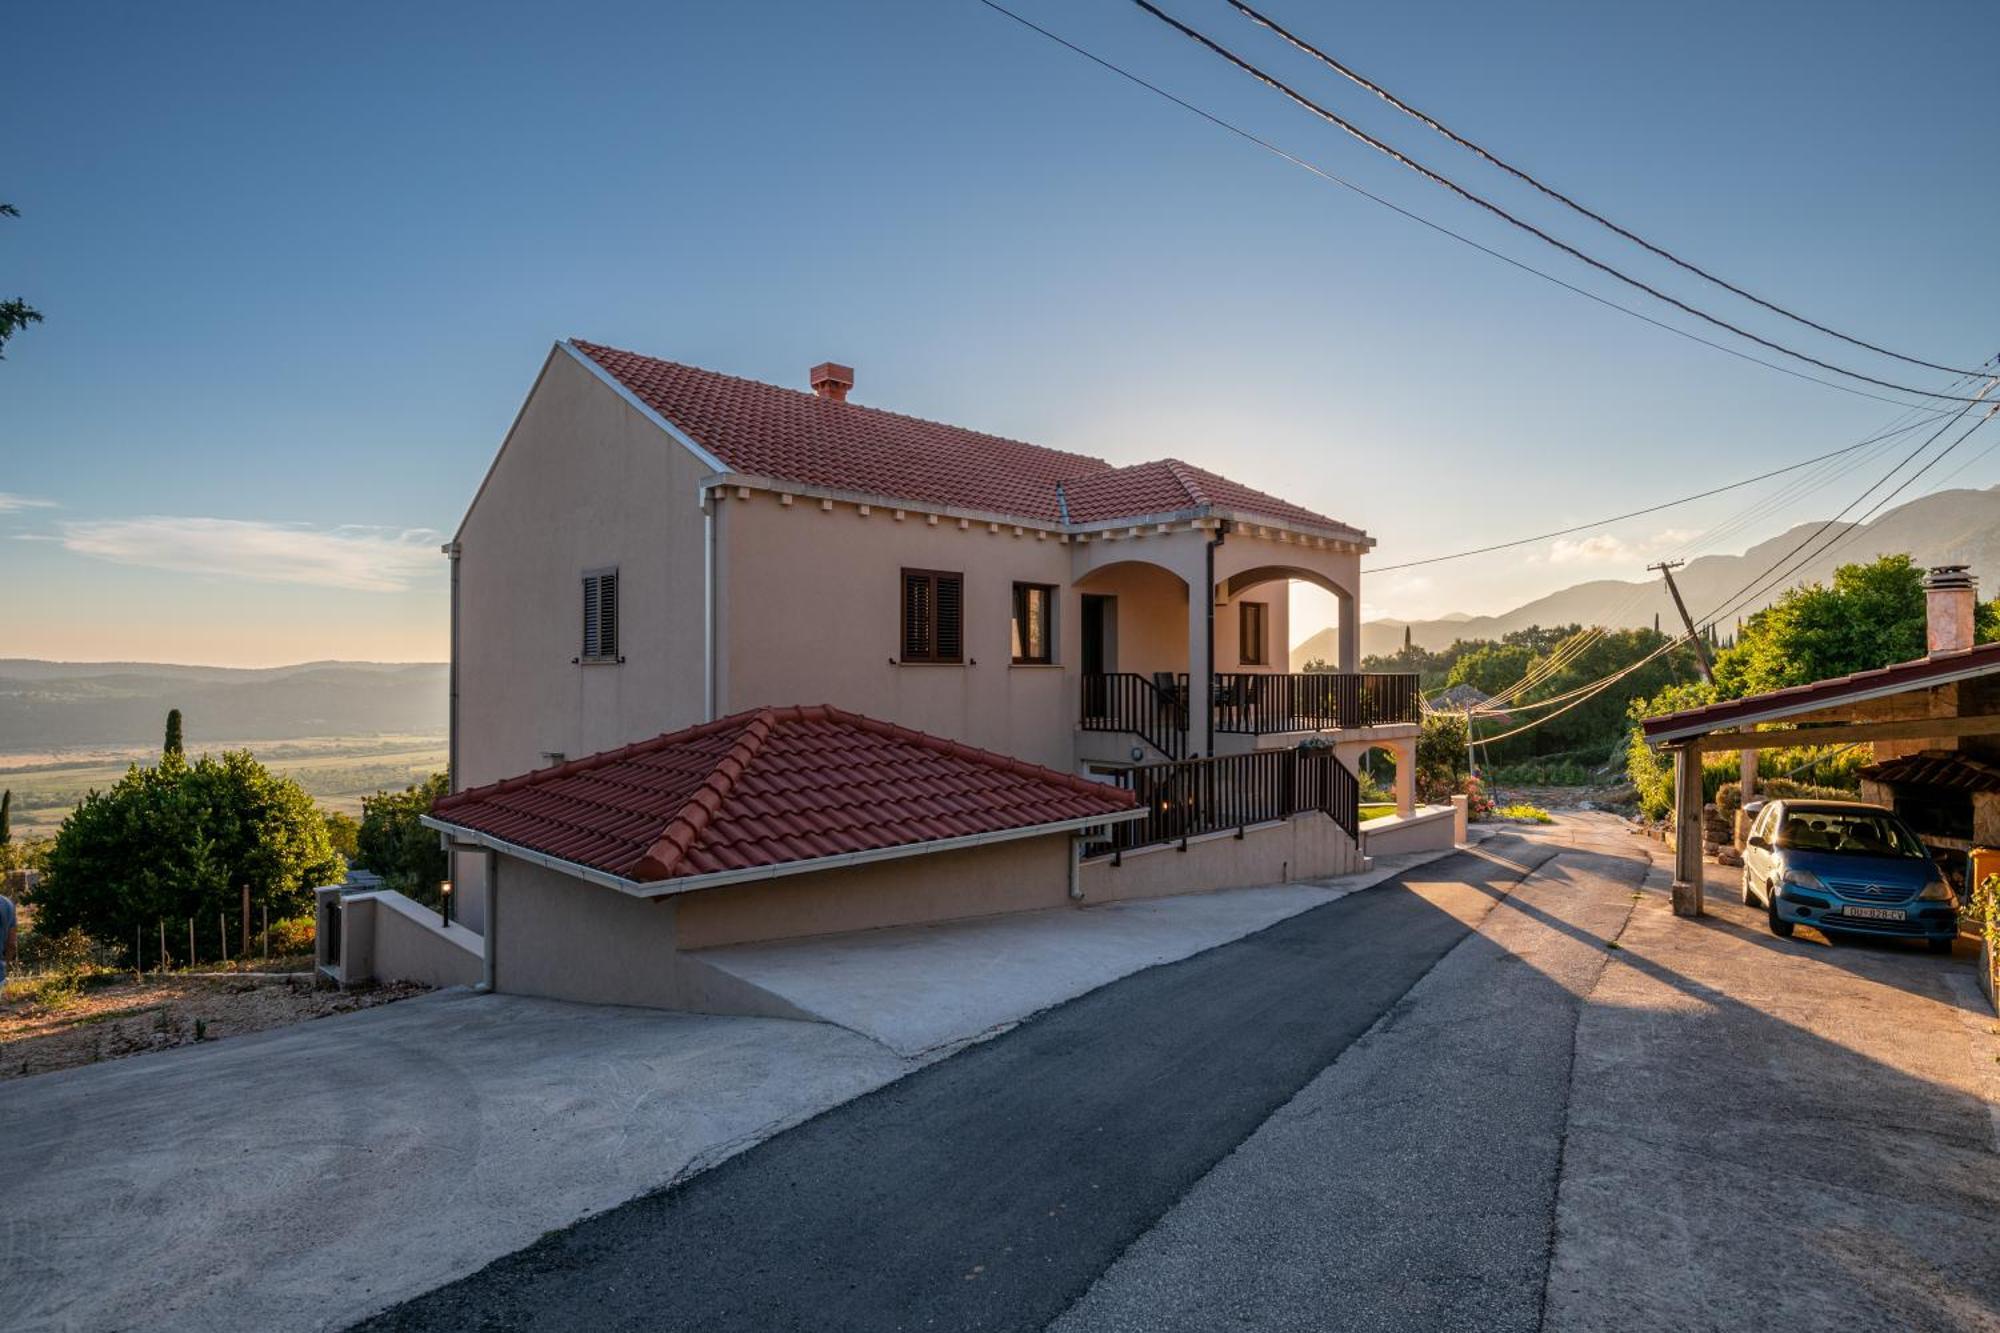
717,879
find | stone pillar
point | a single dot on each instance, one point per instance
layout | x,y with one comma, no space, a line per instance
1349,632
1201,668
1687,832
1406,777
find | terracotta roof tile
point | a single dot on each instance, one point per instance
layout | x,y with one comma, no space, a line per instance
766,787
787,434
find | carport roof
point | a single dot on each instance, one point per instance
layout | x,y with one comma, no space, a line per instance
1773,705
769,788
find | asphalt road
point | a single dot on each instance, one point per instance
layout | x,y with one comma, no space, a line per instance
993,1190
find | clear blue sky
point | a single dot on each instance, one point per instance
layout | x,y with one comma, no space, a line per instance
300,266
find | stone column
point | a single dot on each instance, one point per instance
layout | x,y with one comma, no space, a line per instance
1406,777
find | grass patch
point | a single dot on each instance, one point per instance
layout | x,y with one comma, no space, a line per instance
1523,813
1377,809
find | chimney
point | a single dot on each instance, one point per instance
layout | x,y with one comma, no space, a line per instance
1950,595
832,380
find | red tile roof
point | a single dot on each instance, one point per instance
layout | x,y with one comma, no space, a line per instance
786,434
1924,672
1171,486
767,787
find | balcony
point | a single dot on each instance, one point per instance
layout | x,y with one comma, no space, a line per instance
1155,708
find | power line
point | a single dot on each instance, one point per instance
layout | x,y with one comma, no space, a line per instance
1849,531
1564,199
1650,509
1732,603
1418,218
1404,159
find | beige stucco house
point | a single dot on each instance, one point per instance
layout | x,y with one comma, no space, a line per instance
657,548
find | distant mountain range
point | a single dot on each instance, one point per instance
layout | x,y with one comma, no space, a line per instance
1950,527
59,705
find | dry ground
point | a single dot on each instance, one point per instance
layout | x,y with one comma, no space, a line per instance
108,1022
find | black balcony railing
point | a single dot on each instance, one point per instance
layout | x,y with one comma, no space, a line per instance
1155,707
1196,796
1153,710
1262,703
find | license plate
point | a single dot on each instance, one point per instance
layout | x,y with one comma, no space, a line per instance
1875,913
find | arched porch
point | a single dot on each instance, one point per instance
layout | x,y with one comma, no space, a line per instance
1147,635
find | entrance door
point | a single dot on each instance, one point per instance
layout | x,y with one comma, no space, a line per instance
1099,630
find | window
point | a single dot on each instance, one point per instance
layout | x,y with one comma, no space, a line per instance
933,616
1250,646
600,616
1034,623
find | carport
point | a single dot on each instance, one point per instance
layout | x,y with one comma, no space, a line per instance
1942,709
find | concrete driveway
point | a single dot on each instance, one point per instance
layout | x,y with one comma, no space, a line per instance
301,1177
306,1176
1508,1092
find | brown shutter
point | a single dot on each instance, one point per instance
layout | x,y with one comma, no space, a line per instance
950,637
917,612
607,613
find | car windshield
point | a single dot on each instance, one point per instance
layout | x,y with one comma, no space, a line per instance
1847,833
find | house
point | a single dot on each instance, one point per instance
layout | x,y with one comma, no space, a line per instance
1934,724
664,562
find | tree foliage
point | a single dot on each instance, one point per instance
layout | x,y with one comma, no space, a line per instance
179,840
15,314
344,831
394,843
172,743
1872,615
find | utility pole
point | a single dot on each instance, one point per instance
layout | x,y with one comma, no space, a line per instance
1666,569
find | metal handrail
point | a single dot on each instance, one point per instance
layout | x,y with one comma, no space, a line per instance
1195,796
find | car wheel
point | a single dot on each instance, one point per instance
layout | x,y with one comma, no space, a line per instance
1779,927
1942,946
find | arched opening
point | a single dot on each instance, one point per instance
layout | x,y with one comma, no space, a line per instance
1337,645
1379,768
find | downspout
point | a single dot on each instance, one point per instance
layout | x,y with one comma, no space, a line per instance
708,516
1076,866
1205,691
452,549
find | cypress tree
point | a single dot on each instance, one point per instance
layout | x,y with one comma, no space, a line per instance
1406,638
173,745
6,817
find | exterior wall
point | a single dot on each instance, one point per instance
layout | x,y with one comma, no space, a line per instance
814,609
1432,828
583,481
1020,876
384,936
567,939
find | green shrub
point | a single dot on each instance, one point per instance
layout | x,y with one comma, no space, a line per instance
293,935
1729,796
1523,813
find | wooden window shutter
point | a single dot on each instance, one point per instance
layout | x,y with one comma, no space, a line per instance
607,613
950,639
918,607
933,616
600,615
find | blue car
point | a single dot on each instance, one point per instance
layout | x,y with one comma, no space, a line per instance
1842,866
